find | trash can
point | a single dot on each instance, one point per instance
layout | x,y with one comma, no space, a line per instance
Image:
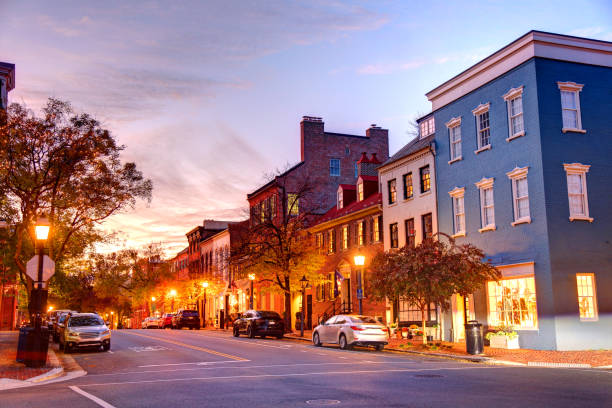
37,347
474,342
21,343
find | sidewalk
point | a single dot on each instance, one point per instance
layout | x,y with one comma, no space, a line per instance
542,358
13,374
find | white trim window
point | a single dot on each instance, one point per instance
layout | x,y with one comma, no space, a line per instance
334,167
340,199
487,206
520,195
427,127
360,191
454,136
512,302
570,106
457,195
483,130
587,299
514,102
577,191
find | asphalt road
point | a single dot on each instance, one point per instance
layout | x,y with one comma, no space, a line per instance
169,368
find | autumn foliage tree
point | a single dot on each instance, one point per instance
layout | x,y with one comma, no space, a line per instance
430,273
67,166
277,247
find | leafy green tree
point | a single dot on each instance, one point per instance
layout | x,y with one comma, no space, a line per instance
429,273
67,166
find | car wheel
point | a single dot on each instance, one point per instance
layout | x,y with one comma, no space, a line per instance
343,343
263,336
250,332
316,340
67,349
280,336
106,347
380,347
236,332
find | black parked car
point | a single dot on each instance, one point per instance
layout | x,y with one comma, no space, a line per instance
259,323
186,318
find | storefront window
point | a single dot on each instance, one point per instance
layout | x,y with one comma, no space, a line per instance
512,302
410,313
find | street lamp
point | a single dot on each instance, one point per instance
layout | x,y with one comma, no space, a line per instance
172,295
38,295
205,286
360,261
303,283
251,278
153,298
112,319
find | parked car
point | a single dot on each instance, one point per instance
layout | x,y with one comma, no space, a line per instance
60,323
52,318
84,330
259,323
186,318
150,322
350,330
166,320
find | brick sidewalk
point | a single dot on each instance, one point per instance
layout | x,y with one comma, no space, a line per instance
594,358
11,369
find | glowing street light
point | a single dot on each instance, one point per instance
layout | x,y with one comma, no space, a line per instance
205,286
50,308
360,261
152,298
251,278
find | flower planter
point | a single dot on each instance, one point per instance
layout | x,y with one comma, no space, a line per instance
504,342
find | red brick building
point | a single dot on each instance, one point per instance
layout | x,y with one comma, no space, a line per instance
352,227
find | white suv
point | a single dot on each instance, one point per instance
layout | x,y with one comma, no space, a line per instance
85,330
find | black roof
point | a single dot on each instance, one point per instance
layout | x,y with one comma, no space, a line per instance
412,147
269,183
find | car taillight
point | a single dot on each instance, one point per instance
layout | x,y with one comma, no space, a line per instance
357,328
384,329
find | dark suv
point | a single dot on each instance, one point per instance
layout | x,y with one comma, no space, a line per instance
259,323
186,318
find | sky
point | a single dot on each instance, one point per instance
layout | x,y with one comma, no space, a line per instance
207,96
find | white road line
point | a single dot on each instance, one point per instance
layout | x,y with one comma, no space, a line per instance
233,377
196,363
95,399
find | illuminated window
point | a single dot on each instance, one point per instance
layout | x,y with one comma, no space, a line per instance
345,237
407,181
425,179
334,167
392,191
340,200
360,232
319,240
360,191
570,106
577,191
587,301
376,229
514,102
331,239
512,302
393,235
293,204
410,233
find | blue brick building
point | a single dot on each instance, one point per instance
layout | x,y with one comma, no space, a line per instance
524,140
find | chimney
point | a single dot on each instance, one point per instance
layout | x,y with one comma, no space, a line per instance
374,159
365,166
311,127
376,131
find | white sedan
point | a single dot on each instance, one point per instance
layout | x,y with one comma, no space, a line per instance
150,322
350,330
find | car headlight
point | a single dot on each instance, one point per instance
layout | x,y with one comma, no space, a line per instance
105,332
73,334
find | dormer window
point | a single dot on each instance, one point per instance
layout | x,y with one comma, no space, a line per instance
427,127
340,199
360,191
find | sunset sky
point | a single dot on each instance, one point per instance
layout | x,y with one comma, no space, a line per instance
207,95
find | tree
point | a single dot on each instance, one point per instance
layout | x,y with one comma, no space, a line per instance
277,247
67,166
430,273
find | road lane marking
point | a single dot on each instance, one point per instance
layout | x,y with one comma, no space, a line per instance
195,363
234,377
140,349
95,399
178,343
245,341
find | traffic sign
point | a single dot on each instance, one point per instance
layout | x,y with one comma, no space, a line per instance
359,293
48,268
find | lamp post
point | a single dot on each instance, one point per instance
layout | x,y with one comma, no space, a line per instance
360,261
303,283
205,286
38,296
172,295
251,278
112,319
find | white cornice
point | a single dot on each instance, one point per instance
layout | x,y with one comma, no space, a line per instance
576,168
485,182
570,86
518,172
457,192
482,108
513,93
454,122
532,44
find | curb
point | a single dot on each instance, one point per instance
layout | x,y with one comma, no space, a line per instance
39,379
